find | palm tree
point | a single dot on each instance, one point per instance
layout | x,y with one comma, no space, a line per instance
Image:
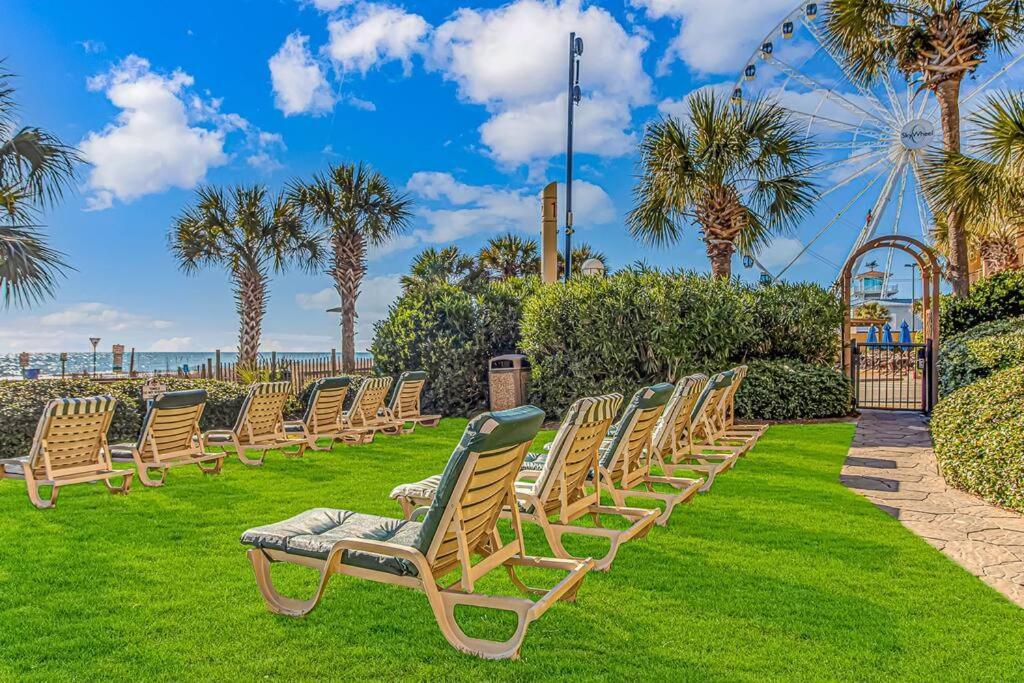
449,265
941,41
358,207
36,169
991,238
739,171
509,256
873,311
580,254
986,190
250,234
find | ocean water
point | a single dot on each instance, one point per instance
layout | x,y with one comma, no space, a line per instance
145,361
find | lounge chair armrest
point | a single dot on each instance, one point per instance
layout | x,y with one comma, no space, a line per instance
382,548
528,475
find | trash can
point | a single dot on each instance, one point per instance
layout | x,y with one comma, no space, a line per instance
509,381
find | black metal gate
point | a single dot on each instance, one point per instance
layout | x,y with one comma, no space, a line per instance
891,376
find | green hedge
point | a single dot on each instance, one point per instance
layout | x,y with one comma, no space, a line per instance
995,298
793,390
598,334
21,404
979,437
794,320
980,351
595,335
451,333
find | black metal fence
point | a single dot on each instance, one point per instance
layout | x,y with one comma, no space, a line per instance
891,376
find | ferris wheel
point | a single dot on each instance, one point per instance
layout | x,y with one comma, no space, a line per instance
870,140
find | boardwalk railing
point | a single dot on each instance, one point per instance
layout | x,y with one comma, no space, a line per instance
298,371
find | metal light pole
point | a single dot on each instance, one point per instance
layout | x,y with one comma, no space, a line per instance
95,341
913,295
575,51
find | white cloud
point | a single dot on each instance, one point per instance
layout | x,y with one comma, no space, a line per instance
375,34
300,86
99,317
376,295
165,135
780,252
93,47
512,60
517,53
715,37
328,5
456,210
173,344
523,135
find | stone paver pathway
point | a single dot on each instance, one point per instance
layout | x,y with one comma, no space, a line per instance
892,464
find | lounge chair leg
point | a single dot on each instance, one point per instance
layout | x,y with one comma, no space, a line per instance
277,603
126,484
150,481
444,604
218,464
257,462
33,493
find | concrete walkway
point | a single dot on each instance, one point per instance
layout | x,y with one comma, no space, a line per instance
892,464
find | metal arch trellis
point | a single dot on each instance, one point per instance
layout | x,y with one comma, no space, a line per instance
931,275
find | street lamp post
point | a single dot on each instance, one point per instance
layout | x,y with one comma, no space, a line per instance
913,295
575,94
95,342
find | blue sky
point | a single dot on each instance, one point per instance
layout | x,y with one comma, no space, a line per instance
458,103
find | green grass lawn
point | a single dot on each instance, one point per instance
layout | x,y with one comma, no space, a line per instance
778,573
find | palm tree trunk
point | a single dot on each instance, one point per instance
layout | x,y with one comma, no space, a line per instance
348,271
720,255
250,297
948,95
998,254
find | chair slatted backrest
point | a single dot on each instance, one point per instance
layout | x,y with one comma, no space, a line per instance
262,415
369,399
625,457
706,413
171,425
326,401
574,452
405,399
71,437
729,407
673,430
477,483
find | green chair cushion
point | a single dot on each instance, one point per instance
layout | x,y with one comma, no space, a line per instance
314,533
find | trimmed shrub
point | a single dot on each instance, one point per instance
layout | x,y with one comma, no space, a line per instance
994,298
451,334
21,404
980,351
435,329
794,320
614,334
979,438
793,390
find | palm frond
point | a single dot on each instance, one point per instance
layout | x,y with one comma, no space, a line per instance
29,268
